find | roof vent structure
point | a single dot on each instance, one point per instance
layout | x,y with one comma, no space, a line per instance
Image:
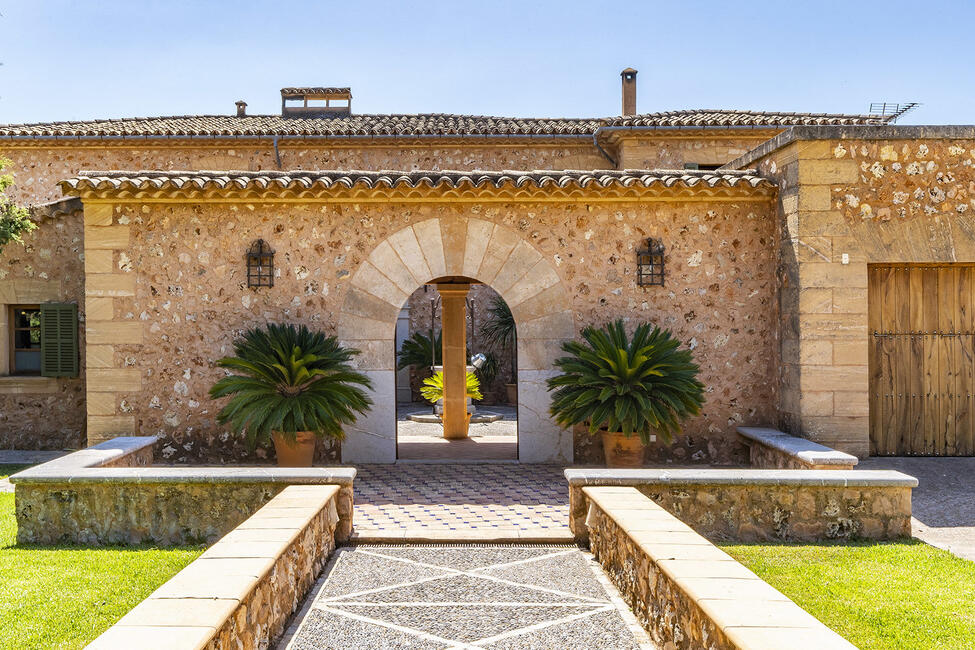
629,91
316,102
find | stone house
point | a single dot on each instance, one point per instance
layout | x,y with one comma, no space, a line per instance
814,263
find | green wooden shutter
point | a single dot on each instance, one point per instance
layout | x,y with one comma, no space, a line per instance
59,339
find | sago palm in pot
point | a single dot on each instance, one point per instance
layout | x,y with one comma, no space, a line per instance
627,389
291,385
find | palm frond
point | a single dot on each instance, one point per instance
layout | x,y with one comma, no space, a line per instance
641,384
289,379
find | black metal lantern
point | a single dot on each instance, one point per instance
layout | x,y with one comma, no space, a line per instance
650,264
260,265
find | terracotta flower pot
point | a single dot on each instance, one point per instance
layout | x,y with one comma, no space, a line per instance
512,391
300,453
622,451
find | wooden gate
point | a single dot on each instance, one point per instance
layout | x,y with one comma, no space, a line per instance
922,359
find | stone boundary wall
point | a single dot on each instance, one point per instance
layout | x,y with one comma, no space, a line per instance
241,592
751,505
686,592
89,497
773,449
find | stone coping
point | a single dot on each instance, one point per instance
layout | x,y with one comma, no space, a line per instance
98,455
746,477
73,473
241,591
887,132
694,582
803,449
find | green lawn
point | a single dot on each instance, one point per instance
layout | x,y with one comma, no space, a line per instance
63,597
7,470
895,595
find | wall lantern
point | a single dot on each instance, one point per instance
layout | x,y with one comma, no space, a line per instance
650,264
260,265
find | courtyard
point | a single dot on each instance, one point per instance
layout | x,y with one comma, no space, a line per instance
403,325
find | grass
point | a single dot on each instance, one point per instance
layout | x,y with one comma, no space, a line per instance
7,470
892,595
65,596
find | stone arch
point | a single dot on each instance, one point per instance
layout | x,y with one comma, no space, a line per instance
478,249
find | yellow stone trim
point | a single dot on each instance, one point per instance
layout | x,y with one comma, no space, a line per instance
107,380
15,385
111,332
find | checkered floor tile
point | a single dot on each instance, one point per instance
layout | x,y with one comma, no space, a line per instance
460,497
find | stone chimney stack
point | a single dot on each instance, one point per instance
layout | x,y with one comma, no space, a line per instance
241,108
629,91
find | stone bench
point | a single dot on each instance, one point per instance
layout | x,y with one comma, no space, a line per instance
241,592
110,494
773,449
685,591
752,505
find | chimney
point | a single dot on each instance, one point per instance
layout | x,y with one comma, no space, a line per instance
629,91
316,102
241,108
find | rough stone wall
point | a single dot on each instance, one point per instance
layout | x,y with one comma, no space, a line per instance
673,152
38,169
762,513
133,512
875,201
40,412
671,617
188,298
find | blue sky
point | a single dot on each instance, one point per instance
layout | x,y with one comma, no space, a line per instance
83,60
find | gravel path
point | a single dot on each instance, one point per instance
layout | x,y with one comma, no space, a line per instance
479,596
943,502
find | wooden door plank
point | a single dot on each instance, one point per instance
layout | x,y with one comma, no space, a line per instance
914,431
930,369
875,277
964,364
947,324
901,370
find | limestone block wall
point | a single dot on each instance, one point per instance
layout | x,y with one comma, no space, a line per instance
171,295
37,167
846,202
41,412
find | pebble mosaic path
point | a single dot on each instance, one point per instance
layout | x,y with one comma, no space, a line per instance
464,596
518,500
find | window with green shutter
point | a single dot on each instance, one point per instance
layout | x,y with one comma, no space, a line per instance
59,339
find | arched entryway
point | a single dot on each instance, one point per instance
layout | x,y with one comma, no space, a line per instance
473,248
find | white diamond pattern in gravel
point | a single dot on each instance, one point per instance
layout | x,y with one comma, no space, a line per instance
463,596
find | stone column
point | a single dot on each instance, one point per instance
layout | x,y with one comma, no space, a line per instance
454,324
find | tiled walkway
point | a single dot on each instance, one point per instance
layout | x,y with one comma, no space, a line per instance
477,596
527,501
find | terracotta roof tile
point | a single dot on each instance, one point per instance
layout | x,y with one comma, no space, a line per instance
728,118
183,181
428,124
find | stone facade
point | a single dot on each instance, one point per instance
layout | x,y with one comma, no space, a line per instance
171,296
38,169
638,151
848,198
42,412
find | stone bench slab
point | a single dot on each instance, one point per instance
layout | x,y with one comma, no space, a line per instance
799,450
